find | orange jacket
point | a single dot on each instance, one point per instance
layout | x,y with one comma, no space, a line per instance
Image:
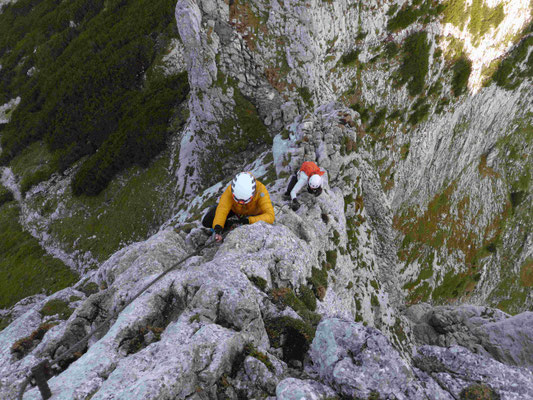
310,168
259,209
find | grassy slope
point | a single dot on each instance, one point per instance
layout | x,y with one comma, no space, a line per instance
25,268
107,55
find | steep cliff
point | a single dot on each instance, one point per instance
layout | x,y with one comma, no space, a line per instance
420,113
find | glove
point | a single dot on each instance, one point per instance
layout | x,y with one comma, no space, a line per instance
244,220
317,192
295,205
218,230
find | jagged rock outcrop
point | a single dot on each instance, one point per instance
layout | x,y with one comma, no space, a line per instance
441,161
240,319
310,307
482,330
456,370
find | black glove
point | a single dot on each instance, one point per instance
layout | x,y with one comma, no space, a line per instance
295,205
244,220
218,229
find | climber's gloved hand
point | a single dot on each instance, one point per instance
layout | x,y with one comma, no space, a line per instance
295,205
218,233
317,192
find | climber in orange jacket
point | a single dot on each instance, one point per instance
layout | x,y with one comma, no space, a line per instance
309,174
245,198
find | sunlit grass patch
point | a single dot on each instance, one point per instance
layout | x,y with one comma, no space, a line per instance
128,210
25,268
33,165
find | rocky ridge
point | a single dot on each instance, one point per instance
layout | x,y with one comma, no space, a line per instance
313,306
268,312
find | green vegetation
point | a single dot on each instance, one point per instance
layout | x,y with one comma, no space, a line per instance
32,165
526,273
456,13
514,284
415,62
455,285
25,268
515,68
420,112
4,322
404,151
306,96
287,297
89,288
252,351
126,211
57,307
378,120
331,259
481,17
23,346
293,335
479,391
95,91
139,137
364,112
319,281
298,336
409,14
259,282
5,195
137,342
307,296
243,134
461,72
350,58
439,229
391,49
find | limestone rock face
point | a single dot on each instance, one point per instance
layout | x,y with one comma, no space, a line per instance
456,369
482,330
417,206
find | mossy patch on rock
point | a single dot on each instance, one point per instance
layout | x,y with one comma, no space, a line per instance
479,391
292,335
138,339
319,281
259,282
23,346
350,58
289,298
57,307
252,351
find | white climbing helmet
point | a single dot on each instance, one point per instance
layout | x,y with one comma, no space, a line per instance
315,181
243,187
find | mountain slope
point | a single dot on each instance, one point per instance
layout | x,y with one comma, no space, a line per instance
426,139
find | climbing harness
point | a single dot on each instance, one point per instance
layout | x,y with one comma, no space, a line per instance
39,372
